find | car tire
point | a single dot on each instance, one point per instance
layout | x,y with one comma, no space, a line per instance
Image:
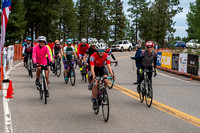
122,49
129,49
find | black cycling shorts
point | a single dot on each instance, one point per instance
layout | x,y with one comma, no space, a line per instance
100,71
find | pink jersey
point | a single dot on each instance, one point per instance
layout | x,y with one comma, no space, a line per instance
39,55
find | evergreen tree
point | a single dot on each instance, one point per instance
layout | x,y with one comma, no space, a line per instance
16,24
118,20
193,19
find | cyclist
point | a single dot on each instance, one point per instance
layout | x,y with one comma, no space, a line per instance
82,48
50,44
98,69
35,42
88,53
68,52
147,58
57,52
27,50
39,58
137,60
109,52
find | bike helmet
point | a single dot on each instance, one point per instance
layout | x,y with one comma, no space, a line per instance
57,42
101,46
83,40
69,41
29,39
149,43
42,38
94,41
49,40
101,41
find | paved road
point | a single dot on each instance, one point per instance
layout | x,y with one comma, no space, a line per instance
69,109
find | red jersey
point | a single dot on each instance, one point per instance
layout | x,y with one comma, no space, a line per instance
51,45
97,61
82,50
35,44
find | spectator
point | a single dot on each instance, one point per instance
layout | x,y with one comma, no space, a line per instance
137,60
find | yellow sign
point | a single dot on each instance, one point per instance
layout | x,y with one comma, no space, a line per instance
166,60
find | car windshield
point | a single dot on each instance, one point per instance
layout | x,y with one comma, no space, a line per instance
192,41
118,42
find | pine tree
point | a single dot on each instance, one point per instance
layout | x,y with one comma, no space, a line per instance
118,20
193,19
135,13
16,24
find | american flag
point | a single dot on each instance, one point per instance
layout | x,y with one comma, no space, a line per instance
6,7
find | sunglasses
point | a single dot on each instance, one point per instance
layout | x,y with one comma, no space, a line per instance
149,47
101,50
42,42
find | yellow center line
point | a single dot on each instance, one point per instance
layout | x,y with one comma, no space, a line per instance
174,112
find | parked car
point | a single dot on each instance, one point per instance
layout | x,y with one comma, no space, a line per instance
122,45
193,44
178,44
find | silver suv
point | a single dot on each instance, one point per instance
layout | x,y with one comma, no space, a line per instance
122,45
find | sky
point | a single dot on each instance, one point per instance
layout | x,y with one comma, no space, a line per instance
180,19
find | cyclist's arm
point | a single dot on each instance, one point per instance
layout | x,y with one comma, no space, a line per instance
61,52
53,52
92,71
84,57
49,53
155,62
23,51
109,69
34,56
113,56
78,50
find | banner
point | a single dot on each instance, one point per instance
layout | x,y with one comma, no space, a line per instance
199,65
10,56
183,63
166,60
159,56
192,64
175,61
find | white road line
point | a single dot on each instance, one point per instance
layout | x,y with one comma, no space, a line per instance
178,79
7,111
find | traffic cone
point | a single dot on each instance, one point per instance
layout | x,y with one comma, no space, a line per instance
9,92
10,85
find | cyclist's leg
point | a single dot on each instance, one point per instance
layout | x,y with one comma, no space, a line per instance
37,82
150,73
105,74
46,70
94,91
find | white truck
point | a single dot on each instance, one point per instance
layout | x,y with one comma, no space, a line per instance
122,45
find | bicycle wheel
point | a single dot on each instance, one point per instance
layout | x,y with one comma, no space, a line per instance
55,68
30,69
149,94
72,76
45,88
142,92
41,92
105,105
66,80
112,81
58,69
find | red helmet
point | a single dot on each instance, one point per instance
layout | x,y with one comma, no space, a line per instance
149,43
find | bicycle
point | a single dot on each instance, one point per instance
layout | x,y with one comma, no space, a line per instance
71,74
146,89
112,80
57,66
102,97
42,87
84,73
30,65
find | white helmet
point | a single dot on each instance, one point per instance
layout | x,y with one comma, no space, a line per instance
101,46
101,41
83,40
107,46
94,41
42,38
